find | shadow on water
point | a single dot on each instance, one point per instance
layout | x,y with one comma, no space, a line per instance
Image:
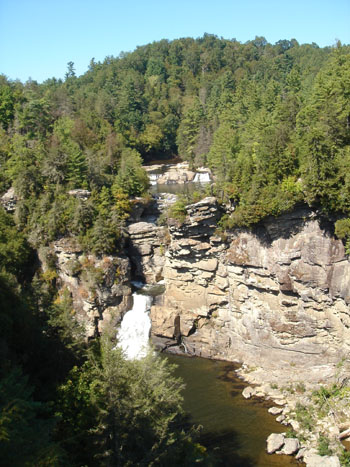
219,444
234,429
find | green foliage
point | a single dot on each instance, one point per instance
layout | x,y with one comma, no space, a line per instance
14,250
188,132
272,122
291,433
342,230
304,415
102,238
24,427
323,448
344,458
122,205
22,165
7,104
61,317
132,178
178,210
324,393
121,412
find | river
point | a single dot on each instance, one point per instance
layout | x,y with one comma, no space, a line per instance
234,429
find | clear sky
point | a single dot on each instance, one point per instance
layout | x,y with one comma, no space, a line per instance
39,37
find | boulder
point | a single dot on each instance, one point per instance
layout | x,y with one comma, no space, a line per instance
291,446
274,442
295,425
248,392
312,459
9,200
300,454
275,410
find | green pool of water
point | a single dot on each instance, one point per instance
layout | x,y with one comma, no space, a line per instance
179,188
234,429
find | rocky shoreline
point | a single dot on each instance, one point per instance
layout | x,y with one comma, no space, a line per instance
314,427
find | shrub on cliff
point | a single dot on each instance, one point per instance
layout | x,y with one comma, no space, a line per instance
178,211
342,231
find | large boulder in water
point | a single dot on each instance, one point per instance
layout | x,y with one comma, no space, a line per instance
274,442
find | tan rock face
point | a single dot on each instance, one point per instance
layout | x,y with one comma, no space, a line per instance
100,287
167,174
9,200
147,246
273,298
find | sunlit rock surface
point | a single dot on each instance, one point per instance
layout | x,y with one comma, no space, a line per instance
99,286
276,297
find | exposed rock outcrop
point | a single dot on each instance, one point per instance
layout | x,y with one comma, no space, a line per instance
169,174
80,194
274,442
312,459
100,287
275,297
146,250
9,200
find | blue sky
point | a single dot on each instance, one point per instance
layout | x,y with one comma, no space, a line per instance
39,37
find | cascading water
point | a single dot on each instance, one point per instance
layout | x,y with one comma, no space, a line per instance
134,331
202,177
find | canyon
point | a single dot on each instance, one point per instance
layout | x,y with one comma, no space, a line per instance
275,297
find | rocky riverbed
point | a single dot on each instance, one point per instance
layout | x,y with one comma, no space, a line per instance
316,416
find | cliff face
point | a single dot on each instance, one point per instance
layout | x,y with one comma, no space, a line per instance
276,296
99,287
147,244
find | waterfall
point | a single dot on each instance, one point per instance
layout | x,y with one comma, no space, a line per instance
153,178
133,334
202,177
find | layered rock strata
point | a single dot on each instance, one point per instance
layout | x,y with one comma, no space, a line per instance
99,287
276,297
147,246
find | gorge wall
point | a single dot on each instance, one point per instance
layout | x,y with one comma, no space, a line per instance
274,297
99,286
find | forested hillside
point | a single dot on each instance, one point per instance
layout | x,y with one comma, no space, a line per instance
273,124
272,121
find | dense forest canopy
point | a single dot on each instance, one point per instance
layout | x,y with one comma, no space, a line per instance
271,121
273,124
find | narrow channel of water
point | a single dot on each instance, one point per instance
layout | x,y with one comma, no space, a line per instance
234,429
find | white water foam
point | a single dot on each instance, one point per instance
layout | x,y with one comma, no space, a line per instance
202,177
133,334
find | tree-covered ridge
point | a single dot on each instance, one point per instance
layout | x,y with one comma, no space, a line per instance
272,121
